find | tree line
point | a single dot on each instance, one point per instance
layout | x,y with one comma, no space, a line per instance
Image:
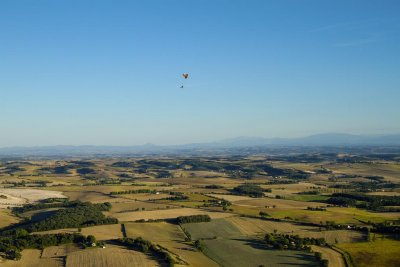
193,219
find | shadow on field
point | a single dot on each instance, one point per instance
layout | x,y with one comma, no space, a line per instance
257,244
307,258
310,259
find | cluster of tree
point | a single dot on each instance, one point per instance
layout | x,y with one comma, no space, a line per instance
213,186
123,164
65,169
312,192
137,191
322,171
375,178
366,186
45,205
372,202
166,164
193,219
125,176
293,242
251,190
13,243
146,246
57,203
341,201
177,197
81,215
386,228
316,208
55,170
85,171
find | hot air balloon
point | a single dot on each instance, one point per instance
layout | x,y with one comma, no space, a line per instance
185,76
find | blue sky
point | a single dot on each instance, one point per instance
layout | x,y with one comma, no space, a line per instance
108,72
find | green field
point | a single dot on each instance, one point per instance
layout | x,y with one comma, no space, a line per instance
244,253
215,228
379,253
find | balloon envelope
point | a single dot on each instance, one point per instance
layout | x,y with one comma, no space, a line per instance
185,75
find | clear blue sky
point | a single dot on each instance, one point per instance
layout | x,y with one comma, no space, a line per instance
78,72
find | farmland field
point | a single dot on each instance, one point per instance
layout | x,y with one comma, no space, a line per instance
239,220
334,258
250,226
17,197
171,237
111,256
157,231
244,252
375,254
216,228
32,258
7,218
104,232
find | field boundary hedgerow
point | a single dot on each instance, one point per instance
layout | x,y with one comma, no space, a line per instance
346,256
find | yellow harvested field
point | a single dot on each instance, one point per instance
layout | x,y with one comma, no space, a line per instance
166,214
104,232
111,256
55,251
31,258
334,258
6,218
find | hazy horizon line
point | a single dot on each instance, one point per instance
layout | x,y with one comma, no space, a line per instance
201,142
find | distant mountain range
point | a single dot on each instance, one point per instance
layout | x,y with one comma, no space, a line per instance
328,139
318,140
